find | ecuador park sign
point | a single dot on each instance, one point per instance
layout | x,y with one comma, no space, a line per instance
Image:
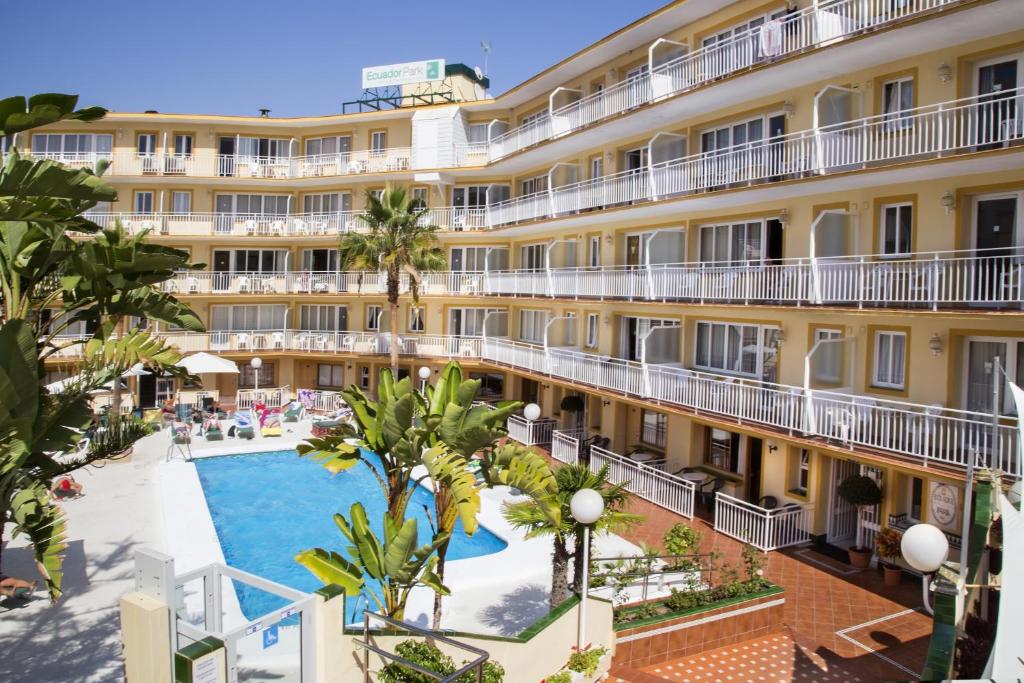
403,74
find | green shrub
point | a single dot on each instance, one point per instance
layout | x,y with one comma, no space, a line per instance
560,677
859,490
585,661
430,657
681,539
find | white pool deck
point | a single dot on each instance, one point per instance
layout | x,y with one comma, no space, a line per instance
147,502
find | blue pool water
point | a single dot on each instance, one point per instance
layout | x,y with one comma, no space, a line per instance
266,507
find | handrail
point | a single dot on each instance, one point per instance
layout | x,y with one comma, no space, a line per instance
477,663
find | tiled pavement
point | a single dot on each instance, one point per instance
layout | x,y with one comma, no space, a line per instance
827,607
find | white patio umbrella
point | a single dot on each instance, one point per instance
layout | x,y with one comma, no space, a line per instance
204,363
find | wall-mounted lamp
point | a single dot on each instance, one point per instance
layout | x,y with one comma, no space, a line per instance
780,336
788,109
608,239
945,73
948,202
605,402
784,217
605,320
935,344
772,447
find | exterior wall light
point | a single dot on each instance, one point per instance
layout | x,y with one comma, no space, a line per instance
948,202
945,73
788,109
935,344
784,217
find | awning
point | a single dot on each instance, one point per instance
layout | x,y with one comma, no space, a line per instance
204,363
1005,662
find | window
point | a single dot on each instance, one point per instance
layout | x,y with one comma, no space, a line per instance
570,329
181,202
897,101
379,141
476,134
250,260
594,251
323,318
532,256
417,315
254,204
731,347
889,360
331,376
373,316
801,474
144,202
74,145
741,30
421,195
596,167
248,374
470,197
477,259
182,145
534,185
534,118
979,372
328,202
722,449
469,322
248,317
896,225
652,428
732,242
264,148
492,385
593,321
828,356
916,498
532,325
146,144
364,377
329,146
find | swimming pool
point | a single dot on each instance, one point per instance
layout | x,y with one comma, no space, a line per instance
266,507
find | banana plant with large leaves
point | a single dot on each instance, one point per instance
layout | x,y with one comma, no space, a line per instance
397,561
58,268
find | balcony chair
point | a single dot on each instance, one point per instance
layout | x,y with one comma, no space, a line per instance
251,227
277,228
277,340
707,498
300,227
242,340
243,283
193,284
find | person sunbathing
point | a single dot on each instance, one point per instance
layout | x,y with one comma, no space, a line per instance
65,486
11,587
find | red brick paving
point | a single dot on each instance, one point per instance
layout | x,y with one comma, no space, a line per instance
822,598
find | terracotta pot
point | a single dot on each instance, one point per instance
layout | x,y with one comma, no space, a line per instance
893,575
859,557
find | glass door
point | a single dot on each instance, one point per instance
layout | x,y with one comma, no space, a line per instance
996,237
221,270
998,117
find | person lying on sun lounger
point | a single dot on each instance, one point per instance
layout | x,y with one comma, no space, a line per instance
65,486
270,424
11,587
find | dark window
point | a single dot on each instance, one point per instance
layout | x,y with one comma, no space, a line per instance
722,450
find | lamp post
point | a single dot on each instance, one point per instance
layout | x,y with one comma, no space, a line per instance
925,548
587,506
424,373
256,364
531,412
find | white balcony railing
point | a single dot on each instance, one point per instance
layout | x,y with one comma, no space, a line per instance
321,400
646,481
531,432
764,529
816,26
933,279
274,397
565,445
965,125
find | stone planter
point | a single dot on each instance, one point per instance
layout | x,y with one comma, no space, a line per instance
860,558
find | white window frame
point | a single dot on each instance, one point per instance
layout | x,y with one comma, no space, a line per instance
898,118
593,330
896,209
379,142
141,195
175,196
716,230
374,313
733,365
185,142
532,324
828,334
878,363
417,319
594,251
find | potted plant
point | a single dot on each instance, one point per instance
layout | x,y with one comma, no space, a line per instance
584,664
860,491
887,544
560,677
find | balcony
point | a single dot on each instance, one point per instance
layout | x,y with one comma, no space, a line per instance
932,280
821,25
927,435
962,126
200,283
449,218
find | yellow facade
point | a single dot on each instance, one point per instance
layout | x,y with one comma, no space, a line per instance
911,193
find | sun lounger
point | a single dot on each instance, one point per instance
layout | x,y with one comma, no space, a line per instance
271,425
294,412
244,425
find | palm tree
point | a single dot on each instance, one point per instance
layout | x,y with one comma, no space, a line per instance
531,516
399,241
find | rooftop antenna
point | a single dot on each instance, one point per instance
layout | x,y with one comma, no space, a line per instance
264,113
485,46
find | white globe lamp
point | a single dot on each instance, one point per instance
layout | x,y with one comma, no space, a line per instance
586,507
924,547
256,364
424,373
532,412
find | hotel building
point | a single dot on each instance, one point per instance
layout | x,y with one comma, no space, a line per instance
773,244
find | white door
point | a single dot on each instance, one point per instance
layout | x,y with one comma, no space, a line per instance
842,522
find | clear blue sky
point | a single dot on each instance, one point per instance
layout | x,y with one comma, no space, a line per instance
296,57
